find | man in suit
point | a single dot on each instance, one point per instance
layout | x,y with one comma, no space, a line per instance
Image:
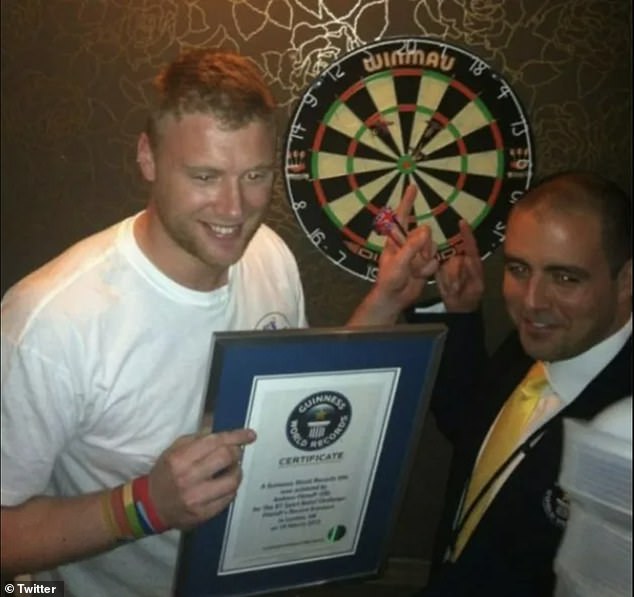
567,287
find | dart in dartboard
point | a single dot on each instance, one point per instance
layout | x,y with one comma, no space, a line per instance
397,112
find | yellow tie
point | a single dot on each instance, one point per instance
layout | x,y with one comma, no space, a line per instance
503,440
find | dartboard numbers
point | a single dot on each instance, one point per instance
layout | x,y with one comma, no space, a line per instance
397,112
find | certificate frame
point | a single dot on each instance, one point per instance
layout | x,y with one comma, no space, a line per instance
376,383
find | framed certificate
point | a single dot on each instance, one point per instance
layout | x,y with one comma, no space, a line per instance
338,413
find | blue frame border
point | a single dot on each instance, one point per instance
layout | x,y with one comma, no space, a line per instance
239,356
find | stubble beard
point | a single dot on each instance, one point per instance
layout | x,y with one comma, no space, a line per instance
193,242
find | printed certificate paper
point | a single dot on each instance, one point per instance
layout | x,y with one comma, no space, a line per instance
307,479
338,414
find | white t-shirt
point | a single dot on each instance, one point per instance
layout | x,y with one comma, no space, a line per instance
104,365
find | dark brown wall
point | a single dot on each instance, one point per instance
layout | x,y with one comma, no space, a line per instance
76,77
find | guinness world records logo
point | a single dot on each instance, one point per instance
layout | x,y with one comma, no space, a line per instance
319,420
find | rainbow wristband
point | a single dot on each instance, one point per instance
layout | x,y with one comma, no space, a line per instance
129,511
145,505
129,507
119,513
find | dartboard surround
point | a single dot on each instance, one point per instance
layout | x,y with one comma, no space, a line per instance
401,111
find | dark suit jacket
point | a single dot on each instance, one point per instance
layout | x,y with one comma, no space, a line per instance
512,550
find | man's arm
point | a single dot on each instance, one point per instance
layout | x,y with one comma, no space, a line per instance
404,271
460,282
193,480
44,532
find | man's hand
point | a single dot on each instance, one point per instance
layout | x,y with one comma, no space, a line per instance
403,271
192,481
460,279
197,477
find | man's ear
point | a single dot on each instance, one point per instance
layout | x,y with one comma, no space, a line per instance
145,157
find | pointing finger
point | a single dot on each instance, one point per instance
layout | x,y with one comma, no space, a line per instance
405,206
469,243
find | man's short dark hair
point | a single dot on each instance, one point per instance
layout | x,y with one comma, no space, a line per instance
222,83
585,191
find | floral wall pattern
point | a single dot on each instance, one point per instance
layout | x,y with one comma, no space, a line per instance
77,74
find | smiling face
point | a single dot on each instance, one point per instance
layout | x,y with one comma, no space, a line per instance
210,188
557,283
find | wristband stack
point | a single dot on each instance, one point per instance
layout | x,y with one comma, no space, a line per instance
129,511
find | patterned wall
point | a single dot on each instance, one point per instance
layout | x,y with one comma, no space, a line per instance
76,78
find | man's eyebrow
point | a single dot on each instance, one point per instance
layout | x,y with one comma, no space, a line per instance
579,272
509,257
202,168
551,268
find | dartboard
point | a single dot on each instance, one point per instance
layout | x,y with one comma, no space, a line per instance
397,112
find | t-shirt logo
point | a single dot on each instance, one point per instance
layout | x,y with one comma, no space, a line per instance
273,321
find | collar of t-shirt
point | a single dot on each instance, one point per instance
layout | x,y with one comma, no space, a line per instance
130,248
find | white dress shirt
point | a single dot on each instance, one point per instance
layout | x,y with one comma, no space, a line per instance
566,380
